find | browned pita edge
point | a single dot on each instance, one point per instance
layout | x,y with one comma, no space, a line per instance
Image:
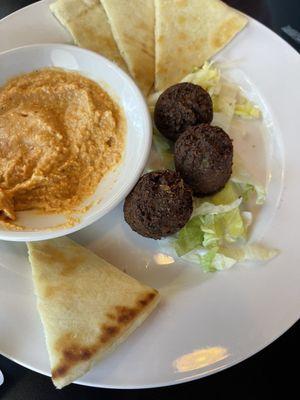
118,320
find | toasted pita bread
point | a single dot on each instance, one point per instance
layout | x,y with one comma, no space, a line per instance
132,24
87,306
87,22
189,32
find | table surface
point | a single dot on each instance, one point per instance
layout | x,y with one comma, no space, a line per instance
266,373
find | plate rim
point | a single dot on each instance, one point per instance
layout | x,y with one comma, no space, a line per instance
199,375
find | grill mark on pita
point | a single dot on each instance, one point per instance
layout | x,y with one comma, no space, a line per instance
74,352
60,371
109,332
125,314
77,354
110,316
145,301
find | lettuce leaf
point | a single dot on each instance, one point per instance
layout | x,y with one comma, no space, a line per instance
211,208
228,99
224,105
208,77
245,184
189,237
164,149
250,252
226,196
246,109
224,227
211,225
219,259
211,260
214,261
215,236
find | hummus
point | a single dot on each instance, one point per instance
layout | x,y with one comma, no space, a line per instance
59,134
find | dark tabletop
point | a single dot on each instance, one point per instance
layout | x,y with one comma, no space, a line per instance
265,375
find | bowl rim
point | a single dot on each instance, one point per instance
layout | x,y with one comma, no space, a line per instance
51,233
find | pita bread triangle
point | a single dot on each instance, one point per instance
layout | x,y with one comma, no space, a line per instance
86,305
132,24
189,32
87,22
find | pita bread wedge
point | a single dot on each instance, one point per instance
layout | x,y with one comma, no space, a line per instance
87,22
132,24
87,306
189,32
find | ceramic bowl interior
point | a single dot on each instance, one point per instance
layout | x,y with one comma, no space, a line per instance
114,187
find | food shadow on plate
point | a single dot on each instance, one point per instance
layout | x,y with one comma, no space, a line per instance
112,239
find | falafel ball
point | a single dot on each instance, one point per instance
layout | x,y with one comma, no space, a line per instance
181,106
203,157
159,205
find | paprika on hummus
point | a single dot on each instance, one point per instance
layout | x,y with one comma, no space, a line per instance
59,134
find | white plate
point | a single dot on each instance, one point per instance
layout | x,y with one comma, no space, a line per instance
205,322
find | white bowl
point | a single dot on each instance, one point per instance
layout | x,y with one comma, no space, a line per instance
116,184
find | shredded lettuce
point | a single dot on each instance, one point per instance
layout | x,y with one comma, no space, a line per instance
247,218
210,260
164,149
207,208
190,237
249,252
224,105
211,230
208,77
246,109
221,228
213,222
226,196
219,259
227,98
215,237
214,261
245,184
207,259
